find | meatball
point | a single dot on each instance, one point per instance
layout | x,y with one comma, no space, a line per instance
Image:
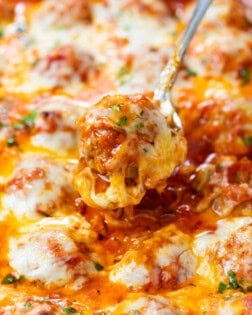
228,249
49,252
65,13
55,127
164,260
38,187
126,148
148,305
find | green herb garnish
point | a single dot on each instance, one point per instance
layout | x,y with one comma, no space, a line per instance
247,140
9,279
29,119
222,287
245,76
122,121
69,310
11,142
18,125
191,72
139,125
116,107
98,266
233,284
28,305
122,72
232,279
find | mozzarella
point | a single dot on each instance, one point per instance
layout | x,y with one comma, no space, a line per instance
147,305
55,127
38,187
211,54
214,249
49,254
164,259
27,308
66,13
126,140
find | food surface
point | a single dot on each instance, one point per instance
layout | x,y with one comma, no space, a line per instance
79,131
126,148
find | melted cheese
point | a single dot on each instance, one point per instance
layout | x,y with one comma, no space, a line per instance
215,248
163,260
47,253
55,127
127,141
174,250
38,187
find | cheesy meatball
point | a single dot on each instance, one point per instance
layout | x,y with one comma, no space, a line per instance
126,148
64,65
164,260
227,251
146,305
38,187
55,127
64,13
48,253
28,308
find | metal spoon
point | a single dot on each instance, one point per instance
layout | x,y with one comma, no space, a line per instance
169,74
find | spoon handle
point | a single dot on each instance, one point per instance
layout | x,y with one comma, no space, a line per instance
168,75
199,12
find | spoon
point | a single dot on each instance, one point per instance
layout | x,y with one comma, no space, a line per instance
168,76
126,145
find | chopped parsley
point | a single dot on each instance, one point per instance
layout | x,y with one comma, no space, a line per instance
10,279
122,72
245,76
98,266
139,125
233,284
247,140
123,75
46,299
28,305
232,280
117,107
29,119
18,125
1,33
69,310
142,112
122,121
191,72
26,121
11,142
223,287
